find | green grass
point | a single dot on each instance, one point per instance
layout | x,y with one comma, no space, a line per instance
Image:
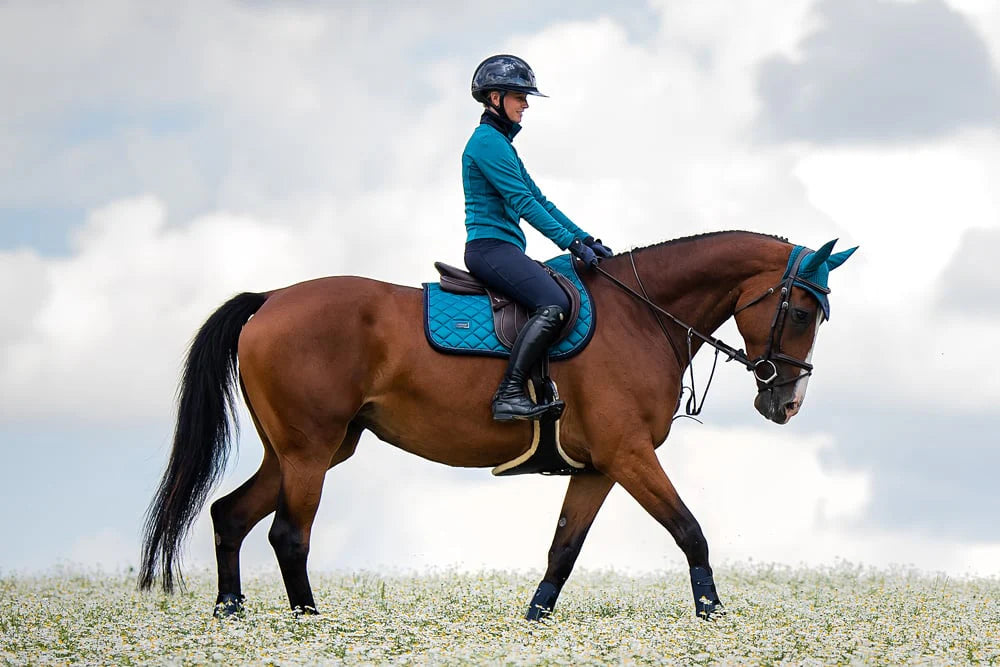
775,615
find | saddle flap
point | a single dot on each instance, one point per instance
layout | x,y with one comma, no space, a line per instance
499,301
510,317
575,301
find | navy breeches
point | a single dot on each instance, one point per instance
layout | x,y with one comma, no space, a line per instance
504,267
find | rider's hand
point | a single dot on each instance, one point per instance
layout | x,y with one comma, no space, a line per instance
599,248
582,252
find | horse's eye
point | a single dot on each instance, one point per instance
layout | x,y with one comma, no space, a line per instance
799,316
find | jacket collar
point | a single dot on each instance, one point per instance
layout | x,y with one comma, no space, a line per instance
505,127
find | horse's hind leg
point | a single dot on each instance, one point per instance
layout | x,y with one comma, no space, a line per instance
234,516
303,467
301,487
584,497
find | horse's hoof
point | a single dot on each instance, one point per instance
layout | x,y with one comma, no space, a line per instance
538,613
706,599
543,603
228,605
709,610
307,610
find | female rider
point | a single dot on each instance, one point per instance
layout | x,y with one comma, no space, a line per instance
498,193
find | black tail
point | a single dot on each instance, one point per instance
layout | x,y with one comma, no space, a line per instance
206,402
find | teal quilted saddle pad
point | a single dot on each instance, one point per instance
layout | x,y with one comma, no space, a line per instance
463,324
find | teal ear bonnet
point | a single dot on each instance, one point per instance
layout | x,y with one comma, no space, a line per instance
814,271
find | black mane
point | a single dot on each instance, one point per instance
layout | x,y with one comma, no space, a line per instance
695,237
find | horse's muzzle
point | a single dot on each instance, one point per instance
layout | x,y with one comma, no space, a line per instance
776,405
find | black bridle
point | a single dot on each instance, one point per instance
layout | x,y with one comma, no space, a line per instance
762,365
773,351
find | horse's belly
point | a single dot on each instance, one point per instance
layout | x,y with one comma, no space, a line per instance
460,432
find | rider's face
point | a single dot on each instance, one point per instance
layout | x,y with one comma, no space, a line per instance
514,104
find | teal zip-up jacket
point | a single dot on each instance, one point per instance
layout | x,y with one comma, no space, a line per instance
499,192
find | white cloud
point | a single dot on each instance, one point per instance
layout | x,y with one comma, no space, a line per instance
23,290
108,325
907,205
907,208
985,18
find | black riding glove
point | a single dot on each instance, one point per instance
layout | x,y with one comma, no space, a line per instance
599,248
582,252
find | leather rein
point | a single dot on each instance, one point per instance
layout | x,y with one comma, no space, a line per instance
763,367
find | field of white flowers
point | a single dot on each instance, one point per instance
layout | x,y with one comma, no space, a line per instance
843,614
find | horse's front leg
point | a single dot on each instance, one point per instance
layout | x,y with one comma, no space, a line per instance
634,465
584,497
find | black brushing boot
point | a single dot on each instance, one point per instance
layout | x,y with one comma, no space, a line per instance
228,604
510,402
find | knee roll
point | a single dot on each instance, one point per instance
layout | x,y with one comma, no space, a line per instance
554,314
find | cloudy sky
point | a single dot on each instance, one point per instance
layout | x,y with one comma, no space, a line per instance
160,157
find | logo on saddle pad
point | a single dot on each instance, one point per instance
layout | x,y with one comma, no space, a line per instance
461,318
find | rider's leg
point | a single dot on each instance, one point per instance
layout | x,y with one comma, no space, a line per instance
505,268
510,401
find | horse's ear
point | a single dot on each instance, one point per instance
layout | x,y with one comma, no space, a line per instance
818,258
836,260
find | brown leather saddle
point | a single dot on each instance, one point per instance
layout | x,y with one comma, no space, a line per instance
509,317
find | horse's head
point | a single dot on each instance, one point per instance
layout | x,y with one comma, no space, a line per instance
779,324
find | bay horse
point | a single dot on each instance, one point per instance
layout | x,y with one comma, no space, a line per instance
322,361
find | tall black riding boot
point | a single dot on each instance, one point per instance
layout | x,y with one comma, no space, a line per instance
510,401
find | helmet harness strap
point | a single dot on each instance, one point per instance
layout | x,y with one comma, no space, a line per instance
499,108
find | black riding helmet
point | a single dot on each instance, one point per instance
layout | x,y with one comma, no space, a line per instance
504,73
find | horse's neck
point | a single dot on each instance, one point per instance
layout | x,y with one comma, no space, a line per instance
699,280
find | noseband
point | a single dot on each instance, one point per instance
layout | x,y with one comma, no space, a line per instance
763,367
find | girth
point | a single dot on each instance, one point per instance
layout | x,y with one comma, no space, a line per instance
509,317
